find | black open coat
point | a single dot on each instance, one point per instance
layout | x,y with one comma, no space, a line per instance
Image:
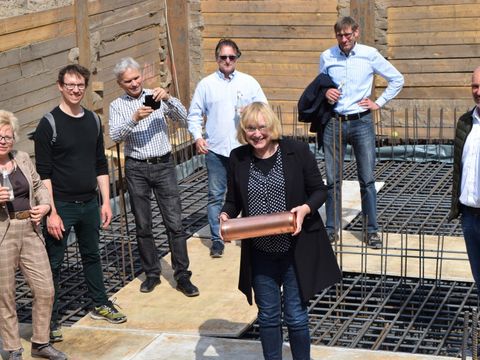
315,264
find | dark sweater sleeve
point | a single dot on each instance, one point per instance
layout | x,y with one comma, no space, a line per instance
101,164
43,149
232,205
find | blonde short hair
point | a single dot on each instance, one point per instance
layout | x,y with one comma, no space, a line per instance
7,118
250,117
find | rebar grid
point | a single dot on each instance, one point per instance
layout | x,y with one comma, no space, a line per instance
404,314
415,198
391,314
119,267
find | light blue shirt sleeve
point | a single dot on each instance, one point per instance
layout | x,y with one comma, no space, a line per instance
395,80
196,112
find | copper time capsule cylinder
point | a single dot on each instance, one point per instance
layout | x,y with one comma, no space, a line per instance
259,225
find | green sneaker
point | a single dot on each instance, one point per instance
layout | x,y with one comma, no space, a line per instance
108,312
56,334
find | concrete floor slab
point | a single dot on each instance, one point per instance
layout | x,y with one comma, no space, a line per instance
105,344
92,344
183,347
221,309
443,258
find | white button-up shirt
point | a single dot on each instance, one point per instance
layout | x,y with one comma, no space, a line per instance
470,183
218,99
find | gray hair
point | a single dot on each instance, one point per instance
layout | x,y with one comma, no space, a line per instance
8,119
123,65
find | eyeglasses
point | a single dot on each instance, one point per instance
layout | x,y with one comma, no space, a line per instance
229,57
7,139
80,87
251,130
346,35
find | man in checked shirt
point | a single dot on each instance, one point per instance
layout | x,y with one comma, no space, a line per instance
149,167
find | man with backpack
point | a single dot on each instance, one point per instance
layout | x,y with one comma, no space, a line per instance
70,159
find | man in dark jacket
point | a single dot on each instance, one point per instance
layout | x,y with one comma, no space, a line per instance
466,177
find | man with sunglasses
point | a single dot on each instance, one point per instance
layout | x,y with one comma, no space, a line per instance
220,97
73,167
352,67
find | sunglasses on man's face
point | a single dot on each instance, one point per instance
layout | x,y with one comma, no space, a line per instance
229,57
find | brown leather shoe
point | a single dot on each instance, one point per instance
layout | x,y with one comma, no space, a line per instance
48,352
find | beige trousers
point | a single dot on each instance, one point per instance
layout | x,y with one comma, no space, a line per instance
23,248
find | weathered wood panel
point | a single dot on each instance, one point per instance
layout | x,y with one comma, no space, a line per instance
456,9
435,38
415,3
268,45
112,16
420,66
261,6
436,45
36,50
35,20
292,19
412,26
45,32
268,31
126,41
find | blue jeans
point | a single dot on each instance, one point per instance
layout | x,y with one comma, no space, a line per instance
360,134
142,179
270,273
217,168
84,217
471,233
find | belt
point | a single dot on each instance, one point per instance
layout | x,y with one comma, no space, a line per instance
153,160
473,210
355,116
19,215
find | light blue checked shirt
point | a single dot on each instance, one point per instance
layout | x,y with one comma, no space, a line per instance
218,99
356,73
148,137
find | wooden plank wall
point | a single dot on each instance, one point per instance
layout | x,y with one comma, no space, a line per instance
436,45
34,47
280,40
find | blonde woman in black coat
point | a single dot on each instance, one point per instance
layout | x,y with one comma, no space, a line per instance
269,174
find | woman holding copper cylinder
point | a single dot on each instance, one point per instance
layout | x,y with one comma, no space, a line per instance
24,201
268,175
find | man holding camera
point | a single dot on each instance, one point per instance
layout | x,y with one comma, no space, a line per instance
149,167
